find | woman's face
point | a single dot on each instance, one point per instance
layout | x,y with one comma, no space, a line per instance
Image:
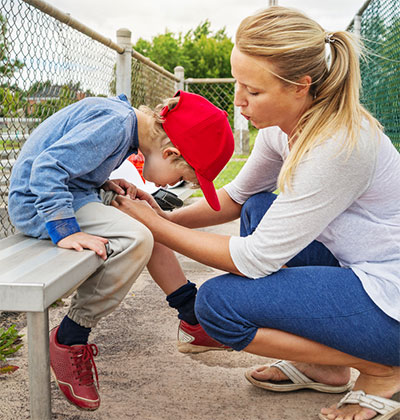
263,99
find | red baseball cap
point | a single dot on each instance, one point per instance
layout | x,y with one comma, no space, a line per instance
202,133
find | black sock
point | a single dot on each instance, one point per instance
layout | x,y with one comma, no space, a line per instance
70,333
183,301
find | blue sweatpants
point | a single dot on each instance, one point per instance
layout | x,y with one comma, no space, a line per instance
314,298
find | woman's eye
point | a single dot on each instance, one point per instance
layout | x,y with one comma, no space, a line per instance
253,93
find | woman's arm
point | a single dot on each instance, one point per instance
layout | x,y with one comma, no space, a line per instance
208,248
200,214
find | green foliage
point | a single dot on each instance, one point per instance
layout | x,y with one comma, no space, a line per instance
11,102
200,51
7,66
10,343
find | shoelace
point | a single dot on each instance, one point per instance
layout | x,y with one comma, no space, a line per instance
84,362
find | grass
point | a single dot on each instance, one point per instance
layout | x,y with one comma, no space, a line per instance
232,168
227,175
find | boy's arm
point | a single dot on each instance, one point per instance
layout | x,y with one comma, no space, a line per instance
81,151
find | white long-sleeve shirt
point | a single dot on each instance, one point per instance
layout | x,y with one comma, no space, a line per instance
349,203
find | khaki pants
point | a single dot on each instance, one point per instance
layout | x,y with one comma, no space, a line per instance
130,245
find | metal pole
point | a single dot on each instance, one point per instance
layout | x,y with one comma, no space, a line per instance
39,365
357,26
241,132
272,3
124,63
73,23
179,72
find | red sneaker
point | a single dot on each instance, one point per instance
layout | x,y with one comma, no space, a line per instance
72,368
193,339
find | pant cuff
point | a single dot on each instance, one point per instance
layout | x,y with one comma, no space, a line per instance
72,314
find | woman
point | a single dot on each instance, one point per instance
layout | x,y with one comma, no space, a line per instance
315,276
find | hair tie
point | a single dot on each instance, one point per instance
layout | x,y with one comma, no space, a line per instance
328,52
329,39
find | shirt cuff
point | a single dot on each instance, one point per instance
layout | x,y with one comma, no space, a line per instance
60,229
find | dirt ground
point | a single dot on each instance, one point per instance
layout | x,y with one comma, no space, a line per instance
143,376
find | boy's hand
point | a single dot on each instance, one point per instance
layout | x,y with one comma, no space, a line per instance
82,240
121,187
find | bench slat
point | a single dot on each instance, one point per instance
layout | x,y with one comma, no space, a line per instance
34,273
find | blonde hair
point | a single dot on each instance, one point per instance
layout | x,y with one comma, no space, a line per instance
296,45
159,135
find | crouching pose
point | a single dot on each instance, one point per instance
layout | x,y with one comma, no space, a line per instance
314,277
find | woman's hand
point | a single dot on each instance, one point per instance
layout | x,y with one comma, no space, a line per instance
81,240
143,195
125,188
139,209
208,248
121,187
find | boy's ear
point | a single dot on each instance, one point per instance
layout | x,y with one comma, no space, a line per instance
170,151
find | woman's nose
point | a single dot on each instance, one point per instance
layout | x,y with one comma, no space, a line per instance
239,99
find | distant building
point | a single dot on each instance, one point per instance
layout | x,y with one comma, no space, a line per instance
49,92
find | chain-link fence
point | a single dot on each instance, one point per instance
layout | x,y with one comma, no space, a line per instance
218,91
378,24
221,93
44,66
48,60
149,86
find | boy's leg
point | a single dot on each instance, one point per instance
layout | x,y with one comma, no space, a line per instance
181,295
129,249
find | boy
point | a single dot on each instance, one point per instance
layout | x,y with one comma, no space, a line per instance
57,189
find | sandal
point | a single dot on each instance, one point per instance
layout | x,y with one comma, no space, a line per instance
385,408
297,380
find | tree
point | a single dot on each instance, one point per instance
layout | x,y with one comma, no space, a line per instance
8,66
200,51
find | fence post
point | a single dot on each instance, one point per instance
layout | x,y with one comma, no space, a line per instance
124,63
241,132
179,72
357,26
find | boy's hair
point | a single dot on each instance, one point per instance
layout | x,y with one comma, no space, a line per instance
159,135
296,46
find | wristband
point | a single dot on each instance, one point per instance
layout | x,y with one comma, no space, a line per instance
59,229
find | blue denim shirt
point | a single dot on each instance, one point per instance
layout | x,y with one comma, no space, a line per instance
65,161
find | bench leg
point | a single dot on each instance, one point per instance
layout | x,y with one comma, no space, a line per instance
39,365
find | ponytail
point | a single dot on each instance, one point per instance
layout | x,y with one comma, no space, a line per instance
297,46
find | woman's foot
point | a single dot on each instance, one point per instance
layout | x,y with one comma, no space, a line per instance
329,375
382,386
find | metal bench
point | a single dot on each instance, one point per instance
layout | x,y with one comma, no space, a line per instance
34,274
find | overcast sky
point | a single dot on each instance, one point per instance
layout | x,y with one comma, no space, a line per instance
147,18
